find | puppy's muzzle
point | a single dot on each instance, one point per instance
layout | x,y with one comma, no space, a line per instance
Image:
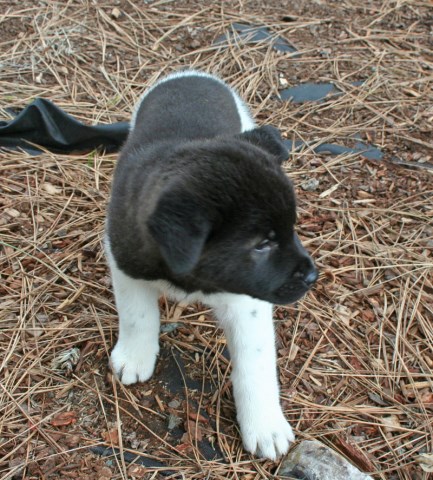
306,272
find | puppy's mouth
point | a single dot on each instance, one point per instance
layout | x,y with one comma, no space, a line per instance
290,292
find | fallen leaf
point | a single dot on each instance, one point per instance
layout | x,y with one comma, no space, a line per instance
137,471
366,430
64,418
391,423
194,430
198,417
426,398
111,436
356,364
344,314
182,447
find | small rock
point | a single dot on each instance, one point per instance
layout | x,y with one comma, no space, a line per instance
377,399
325,52
174,404
310,184
312,460
173,421
42,317
169,327
115,13
283,81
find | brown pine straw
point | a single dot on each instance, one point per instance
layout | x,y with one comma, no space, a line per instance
355,356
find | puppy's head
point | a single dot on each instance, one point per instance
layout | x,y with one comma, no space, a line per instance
227,221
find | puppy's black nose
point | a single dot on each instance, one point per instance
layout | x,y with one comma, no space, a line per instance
306,271
311,276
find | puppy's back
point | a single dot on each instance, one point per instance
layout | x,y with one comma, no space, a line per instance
188,105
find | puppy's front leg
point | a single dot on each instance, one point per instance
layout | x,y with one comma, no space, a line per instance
134,356
250,335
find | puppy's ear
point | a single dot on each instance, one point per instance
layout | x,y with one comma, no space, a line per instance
268,138
180,227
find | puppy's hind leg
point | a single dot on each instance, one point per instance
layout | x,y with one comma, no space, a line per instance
134,356
249,329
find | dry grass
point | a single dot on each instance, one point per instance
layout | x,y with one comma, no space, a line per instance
355,356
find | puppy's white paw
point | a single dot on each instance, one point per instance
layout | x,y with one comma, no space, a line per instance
132,365
266,434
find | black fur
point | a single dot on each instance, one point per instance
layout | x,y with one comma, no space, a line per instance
194,199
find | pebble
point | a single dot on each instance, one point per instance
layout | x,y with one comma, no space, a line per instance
115,13
173,421
313,460
310,184
169,327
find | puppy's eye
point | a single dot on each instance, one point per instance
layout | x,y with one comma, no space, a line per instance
266,244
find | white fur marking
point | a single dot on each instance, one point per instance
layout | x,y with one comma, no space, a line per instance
134,356
249,330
